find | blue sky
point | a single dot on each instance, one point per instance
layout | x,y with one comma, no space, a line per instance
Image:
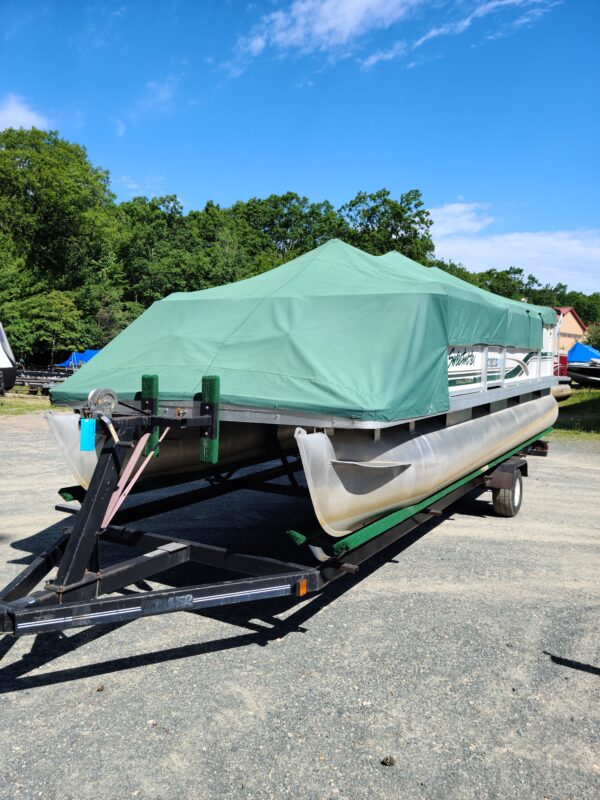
490,107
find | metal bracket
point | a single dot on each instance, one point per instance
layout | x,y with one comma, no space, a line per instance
540,448
503,476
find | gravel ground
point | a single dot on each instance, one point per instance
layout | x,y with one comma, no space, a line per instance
470,656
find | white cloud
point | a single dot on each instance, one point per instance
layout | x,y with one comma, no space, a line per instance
460,218
102,28
255,44
232,67
158,95
482,10
337,27
571,257
129,183
150,185
120,127
157,98
397,49
324,25
531,16
14,21
15,113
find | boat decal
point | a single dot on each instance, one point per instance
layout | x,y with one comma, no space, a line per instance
470,376
461,357
521,368
464,381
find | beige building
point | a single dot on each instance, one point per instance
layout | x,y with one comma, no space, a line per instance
572,328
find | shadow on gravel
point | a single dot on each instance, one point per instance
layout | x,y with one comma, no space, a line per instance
473,506
36,543
259,618
257,529
566,662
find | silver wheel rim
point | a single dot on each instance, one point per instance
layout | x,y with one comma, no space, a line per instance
517,491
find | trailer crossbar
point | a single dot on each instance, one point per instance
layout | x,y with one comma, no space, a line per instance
142,604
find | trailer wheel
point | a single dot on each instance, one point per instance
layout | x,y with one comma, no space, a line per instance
507,502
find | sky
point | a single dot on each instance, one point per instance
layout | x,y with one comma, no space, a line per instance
489,107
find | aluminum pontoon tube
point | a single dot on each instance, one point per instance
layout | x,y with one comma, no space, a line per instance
354,479
179,452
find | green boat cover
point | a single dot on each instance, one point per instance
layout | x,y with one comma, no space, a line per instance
336,331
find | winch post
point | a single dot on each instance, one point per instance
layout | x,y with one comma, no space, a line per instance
82,544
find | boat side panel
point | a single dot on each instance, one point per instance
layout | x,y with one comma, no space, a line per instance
180,451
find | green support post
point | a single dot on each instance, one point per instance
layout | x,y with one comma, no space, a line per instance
303,538
150,403
211,395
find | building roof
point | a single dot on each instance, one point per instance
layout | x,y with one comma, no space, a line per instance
564,310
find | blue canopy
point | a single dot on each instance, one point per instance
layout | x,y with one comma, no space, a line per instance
77,359
582,353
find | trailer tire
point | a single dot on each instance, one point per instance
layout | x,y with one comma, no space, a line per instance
507,502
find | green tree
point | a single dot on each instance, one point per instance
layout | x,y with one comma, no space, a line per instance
587,306
454,269
227,263
48,190
76,267
378,224
289,223
157,255
593,337
44,326
13,276
508,282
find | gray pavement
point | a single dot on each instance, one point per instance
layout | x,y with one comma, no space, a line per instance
471,657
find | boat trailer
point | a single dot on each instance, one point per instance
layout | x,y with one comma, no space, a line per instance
84,593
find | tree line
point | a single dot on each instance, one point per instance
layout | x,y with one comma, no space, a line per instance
76,267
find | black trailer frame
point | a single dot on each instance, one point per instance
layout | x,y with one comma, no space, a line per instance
82,593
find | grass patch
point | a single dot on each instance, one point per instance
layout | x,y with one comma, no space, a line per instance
14,403
21,390
564,434
580,413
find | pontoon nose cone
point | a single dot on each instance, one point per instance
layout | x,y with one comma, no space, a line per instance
65,429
